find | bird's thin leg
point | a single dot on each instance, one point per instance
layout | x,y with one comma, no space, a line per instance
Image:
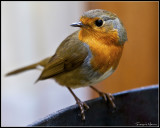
80,104
105,96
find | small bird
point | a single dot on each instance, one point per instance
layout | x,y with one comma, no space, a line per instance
87,56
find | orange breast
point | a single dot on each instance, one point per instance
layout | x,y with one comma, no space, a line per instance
104,47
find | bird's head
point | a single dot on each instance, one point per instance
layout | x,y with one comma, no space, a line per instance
101,24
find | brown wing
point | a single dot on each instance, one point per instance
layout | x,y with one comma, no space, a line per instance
69,55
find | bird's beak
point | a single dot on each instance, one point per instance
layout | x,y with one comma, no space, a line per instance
78,24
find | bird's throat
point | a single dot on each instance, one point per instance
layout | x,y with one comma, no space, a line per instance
105,51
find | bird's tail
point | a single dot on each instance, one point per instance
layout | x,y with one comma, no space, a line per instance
32,66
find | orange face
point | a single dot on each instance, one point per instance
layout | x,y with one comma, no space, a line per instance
105,33
103,42
89,24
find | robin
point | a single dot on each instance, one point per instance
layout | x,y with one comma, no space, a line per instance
87,56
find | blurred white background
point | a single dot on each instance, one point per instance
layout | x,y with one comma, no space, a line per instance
32,31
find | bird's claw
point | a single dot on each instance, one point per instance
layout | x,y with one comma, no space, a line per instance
82,105
108,96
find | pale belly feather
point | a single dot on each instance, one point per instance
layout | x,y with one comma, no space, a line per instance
104,76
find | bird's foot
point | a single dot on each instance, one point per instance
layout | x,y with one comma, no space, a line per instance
108,96
82,106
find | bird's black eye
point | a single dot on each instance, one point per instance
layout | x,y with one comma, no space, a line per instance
99,23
